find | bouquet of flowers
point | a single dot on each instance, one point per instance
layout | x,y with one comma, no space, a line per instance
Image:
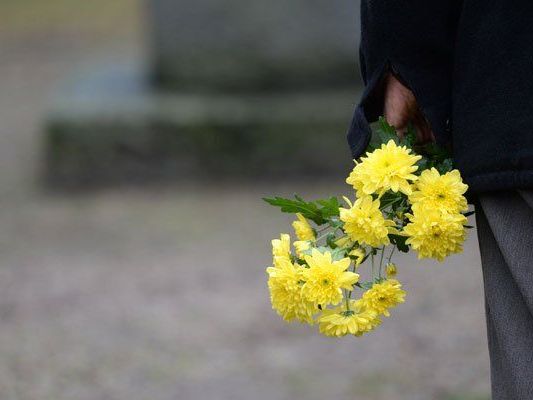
407,197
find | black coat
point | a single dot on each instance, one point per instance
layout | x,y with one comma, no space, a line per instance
470,65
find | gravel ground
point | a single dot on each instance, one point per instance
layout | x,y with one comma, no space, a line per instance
159,293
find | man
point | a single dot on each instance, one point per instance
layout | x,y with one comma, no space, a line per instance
463,72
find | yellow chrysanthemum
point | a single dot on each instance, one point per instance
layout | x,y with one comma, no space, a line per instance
325,278
359,255
435,233
300,246
390,167
302,228
285,285
442,192
382,296
281,248
364,222
391,270
355,321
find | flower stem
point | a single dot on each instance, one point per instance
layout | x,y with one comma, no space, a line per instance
381,260
347,298
322,236
372,259
391,253
322,229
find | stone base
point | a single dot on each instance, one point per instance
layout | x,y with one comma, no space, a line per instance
111,127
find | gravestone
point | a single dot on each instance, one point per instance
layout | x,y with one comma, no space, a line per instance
242,45
232,89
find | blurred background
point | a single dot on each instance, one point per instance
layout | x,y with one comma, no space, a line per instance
137,139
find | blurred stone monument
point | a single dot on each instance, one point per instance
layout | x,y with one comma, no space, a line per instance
232,89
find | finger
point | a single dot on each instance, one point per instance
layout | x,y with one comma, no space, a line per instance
396,115
423,128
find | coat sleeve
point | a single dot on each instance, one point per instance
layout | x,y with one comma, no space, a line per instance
413,39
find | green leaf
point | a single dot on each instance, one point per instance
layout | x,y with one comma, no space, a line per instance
323,249
386,132
375,140
382,132
363,260
308,209
366,285
300,262
390,198
338,254
445,166
435,152
409,138
423,164
329,208
335,224
319,211
330,240
399,242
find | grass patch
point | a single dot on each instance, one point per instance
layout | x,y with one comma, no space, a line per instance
80,16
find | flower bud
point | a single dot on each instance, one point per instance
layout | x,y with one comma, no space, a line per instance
343,242
301,246
391,270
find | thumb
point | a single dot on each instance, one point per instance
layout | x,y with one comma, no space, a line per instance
400,105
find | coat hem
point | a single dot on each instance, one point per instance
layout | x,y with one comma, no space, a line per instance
502,180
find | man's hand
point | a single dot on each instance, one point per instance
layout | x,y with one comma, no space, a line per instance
400,108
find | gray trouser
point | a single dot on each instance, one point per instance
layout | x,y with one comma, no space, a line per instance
505,231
